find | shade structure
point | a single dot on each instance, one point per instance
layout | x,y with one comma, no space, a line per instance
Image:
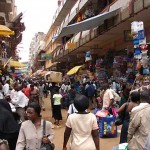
87,24
5,31
73,70
16,64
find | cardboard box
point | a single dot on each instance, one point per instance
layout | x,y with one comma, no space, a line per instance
53,76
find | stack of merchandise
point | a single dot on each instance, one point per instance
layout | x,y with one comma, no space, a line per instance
119,66
101,73
140,53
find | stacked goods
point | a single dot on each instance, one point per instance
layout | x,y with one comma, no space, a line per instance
101,73
140,53
120,66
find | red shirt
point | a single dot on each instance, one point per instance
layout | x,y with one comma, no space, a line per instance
26,91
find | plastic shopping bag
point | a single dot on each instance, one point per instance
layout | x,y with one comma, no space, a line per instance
107,128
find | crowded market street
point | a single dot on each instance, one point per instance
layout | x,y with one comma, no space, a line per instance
74,74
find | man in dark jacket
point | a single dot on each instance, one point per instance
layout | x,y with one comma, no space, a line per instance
90,91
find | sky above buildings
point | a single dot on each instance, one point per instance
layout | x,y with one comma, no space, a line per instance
37,16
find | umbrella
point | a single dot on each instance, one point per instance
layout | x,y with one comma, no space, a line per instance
5,31
73,70
16,64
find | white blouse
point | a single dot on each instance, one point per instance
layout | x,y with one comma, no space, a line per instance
31,137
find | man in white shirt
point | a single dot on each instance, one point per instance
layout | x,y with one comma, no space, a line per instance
6,88
143,103
20,101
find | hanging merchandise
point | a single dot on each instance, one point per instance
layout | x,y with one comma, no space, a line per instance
141,34
137,53
134,27
142,41
143,47
140,54
88,56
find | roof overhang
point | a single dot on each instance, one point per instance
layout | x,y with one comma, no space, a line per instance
88,24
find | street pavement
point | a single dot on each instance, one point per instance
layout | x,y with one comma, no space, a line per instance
105,144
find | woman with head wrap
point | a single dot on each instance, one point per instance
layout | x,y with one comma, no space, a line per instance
8,126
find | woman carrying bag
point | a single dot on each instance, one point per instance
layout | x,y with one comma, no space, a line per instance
124,113
32,135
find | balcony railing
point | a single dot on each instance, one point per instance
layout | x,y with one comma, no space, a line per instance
62,11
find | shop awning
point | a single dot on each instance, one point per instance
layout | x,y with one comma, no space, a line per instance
73,70
88,23
5,31
16,64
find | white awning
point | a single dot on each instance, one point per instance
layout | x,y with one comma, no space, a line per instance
88,23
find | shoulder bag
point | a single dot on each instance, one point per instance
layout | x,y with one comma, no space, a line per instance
48,146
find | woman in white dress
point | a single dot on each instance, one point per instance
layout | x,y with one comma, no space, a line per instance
83,126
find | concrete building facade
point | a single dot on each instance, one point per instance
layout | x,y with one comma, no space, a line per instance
35,47
69,47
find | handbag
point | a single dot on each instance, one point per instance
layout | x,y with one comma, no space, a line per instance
120,118
47,146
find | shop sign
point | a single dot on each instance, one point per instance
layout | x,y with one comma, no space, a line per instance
46,56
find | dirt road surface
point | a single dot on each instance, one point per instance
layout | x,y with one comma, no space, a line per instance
105,144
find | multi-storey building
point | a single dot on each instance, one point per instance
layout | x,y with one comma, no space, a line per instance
7,11
9,18
99,26
35,48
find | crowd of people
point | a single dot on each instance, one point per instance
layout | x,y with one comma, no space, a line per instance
21,103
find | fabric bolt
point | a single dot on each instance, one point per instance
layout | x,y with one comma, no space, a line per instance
32,140
81,136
